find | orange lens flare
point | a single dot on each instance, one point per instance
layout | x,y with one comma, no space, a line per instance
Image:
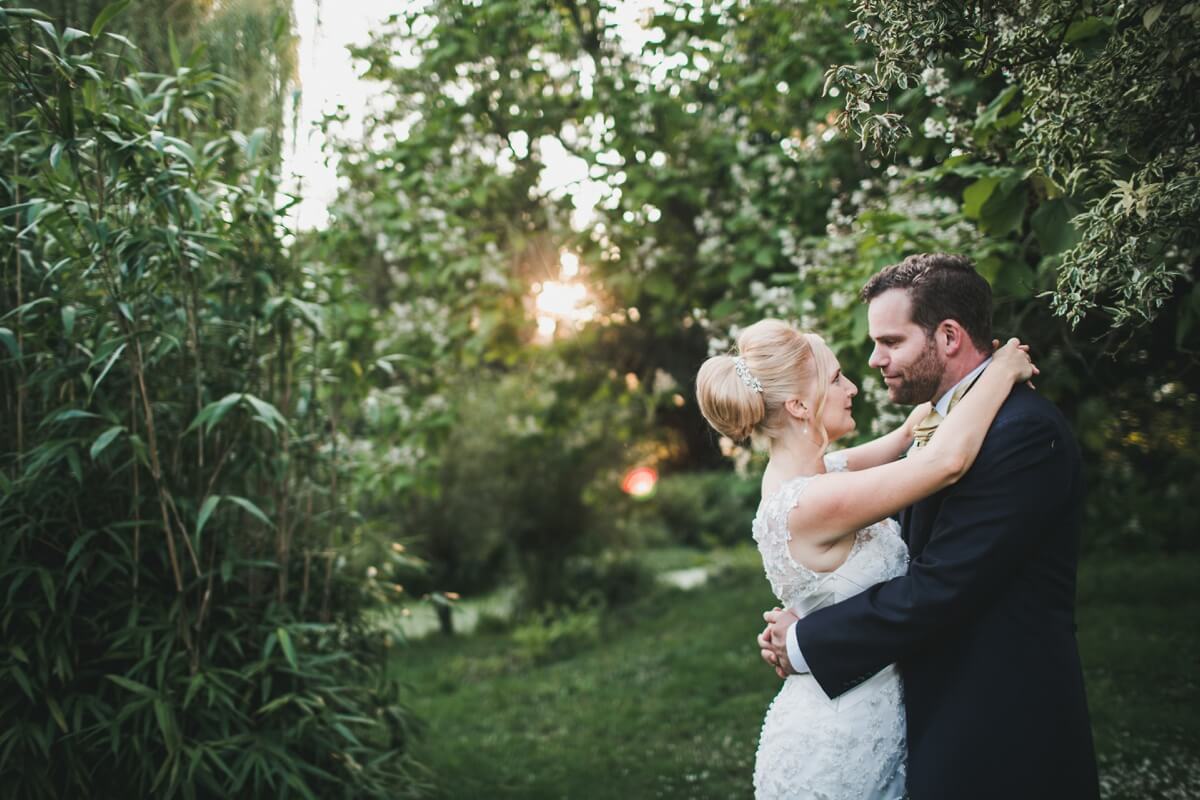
640,481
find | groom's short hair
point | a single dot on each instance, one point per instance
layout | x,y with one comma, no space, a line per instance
941,286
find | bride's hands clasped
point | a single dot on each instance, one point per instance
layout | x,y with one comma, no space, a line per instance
1014,357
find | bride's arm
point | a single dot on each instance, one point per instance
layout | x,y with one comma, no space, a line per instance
847,501
888,447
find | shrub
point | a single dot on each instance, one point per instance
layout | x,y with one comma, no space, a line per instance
609,579
174,622
557,633
700,509
511,491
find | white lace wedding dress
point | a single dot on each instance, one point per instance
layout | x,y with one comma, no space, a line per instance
811,747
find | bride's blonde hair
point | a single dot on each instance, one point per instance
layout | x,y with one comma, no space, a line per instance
781,359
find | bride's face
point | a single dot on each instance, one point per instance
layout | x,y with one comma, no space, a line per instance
836,414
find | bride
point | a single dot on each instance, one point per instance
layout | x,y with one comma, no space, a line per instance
824,531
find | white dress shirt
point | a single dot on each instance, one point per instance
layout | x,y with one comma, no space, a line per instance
942,406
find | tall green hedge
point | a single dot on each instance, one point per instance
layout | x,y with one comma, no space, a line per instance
173,619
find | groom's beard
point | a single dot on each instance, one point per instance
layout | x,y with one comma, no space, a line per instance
920,380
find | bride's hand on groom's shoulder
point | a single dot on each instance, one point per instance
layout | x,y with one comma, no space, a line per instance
772,642
1015,356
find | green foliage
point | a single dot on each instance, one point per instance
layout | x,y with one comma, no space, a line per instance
514,479
699,509
1094,101
609,579
252,40
174,621
727,192
556,633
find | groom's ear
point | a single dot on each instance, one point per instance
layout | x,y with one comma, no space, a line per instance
950,337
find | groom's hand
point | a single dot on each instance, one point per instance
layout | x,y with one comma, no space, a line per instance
772,642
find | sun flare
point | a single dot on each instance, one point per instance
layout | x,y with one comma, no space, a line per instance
565,303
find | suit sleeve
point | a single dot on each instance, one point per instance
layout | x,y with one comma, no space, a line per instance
987,525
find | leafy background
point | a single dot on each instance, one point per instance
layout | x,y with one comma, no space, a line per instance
235,455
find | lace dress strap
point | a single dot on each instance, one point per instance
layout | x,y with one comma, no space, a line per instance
836,461
789,579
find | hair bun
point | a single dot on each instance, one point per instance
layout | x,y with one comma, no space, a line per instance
733,408
778,363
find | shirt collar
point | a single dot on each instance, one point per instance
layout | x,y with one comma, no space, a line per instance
942,405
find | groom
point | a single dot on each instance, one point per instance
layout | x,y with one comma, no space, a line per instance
982,626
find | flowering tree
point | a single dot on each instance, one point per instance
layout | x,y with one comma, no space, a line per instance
695,164
1086,110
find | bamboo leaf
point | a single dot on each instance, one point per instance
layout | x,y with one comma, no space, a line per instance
107,14
133,686
347,734
194,686
285,642
122,40
206,511
181,148
27,13
212,413
254,142
293,780
249,506
78,546
74,465
10,341
68,320
73,35
25,308
166,724
49,29
22,680
278,702
104,440
47,582
19,206
111,360
56,712
173,48
67,415
265,412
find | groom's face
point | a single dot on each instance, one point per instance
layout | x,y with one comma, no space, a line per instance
904,354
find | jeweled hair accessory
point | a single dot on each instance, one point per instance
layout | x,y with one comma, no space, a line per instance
743,372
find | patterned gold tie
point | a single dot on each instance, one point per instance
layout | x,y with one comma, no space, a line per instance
924,430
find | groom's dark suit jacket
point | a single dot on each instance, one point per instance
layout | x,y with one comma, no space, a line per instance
983,624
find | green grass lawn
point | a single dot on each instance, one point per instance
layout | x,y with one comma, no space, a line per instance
668,701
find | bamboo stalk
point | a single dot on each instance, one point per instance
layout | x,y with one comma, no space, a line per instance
21,389
137,497
304,582
283,542
155,467
327,590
